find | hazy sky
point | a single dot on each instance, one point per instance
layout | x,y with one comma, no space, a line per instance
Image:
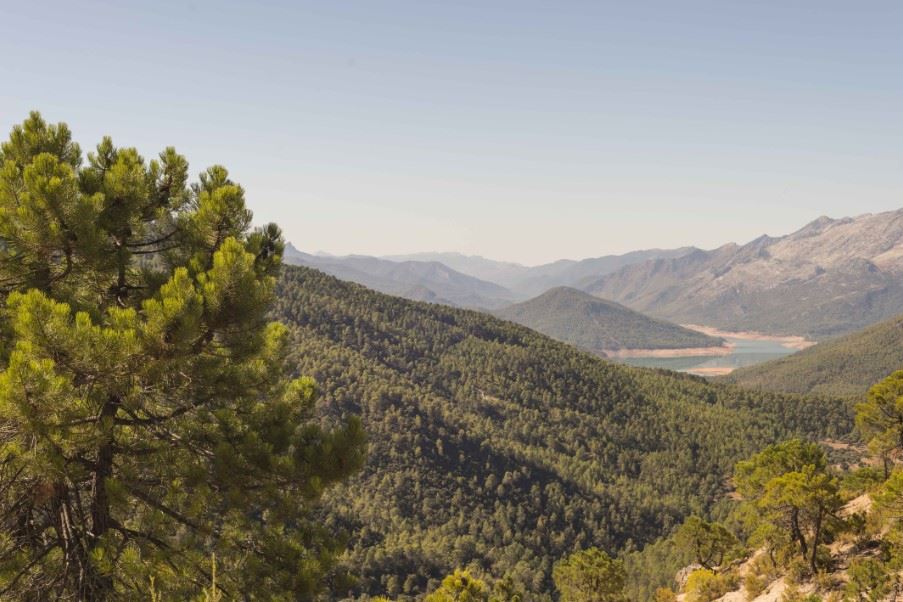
526,131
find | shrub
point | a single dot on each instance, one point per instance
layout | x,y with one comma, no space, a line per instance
704,585
793,594
869,581
664,594
754,585
797,571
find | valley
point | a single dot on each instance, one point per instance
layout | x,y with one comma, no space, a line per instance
741,349
831,277
451,302
539,447
845,366
527,395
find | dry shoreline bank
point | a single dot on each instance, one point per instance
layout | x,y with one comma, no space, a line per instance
793,342
789,341
726,349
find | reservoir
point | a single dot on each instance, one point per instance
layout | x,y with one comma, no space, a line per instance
747,349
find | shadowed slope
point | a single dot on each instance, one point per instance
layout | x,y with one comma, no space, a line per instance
597,325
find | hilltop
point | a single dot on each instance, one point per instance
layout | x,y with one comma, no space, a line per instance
467,280
598,326
843,366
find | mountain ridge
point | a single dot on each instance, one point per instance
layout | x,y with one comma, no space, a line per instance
423,281
598,325
529,281
830,277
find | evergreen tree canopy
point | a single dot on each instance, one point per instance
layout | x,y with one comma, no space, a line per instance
880,418
707,542
590,576
790,486
492,446
460,586
145,420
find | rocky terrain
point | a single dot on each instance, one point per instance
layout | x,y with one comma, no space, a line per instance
830,277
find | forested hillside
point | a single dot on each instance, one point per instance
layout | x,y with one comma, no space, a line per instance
843,366
803,526
493,445
597,325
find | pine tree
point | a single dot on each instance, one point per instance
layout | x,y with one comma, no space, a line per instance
791,487
460,586
590,576
880,419
708,543
146,417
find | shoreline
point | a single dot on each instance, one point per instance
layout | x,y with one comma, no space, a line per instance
707,372
792,341
726,349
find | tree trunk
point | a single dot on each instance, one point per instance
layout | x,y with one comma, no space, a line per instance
813,559
100,586
797,533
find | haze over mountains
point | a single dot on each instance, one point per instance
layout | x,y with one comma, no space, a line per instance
418,280
527,282
830,277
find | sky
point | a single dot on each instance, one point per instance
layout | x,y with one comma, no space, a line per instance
521,131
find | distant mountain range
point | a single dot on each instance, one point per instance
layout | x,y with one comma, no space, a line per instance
846,366
600,326
526,282
831,277
418,280
467,281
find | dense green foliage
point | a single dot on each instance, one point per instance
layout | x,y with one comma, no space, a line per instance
705,585
708,542
795,494
145,418
846,366
495,447
590,576
654,567
598,325
460,586
869,581
789,508
879,419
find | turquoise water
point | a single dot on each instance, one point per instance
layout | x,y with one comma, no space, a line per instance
745,353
